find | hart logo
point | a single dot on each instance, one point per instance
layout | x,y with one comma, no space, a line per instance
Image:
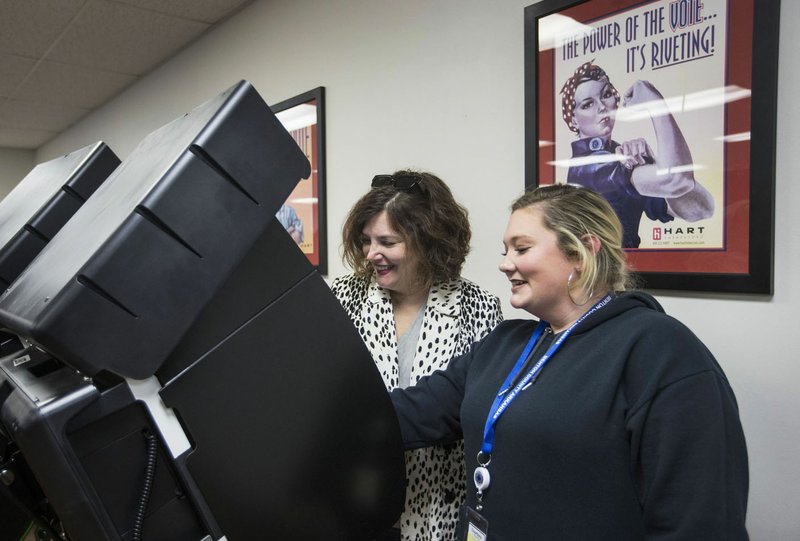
678,235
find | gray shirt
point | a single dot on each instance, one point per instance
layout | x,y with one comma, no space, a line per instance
407,348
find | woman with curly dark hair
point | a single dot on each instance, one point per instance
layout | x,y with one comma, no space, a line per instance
406,240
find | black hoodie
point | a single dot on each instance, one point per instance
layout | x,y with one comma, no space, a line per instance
631,431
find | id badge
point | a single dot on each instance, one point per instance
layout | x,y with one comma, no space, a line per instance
477,527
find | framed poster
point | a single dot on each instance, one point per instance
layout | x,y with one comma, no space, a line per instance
303,213
667,108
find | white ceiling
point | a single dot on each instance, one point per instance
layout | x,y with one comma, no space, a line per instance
59,59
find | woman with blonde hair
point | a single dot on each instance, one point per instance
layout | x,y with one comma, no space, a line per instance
604,418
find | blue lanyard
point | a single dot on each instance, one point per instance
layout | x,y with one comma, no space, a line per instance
506,395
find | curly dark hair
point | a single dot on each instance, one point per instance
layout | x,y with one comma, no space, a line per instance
433,225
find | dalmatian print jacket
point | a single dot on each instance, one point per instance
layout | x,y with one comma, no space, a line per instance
457,314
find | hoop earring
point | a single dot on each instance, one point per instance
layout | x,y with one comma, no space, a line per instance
569,292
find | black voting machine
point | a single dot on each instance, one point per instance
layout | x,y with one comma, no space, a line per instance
39,206
179,370
30,216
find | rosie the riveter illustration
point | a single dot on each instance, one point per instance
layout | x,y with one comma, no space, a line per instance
629,174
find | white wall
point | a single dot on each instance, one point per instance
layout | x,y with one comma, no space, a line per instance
439,85
14,165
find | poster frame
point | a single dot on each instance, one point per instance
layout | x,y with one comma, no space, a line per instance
319,256
757,277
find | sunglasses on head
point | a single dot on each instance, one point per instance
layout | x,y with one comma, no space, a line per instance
404,183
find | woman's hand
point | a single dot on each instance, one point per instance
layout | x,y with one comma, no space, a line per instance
635,152
641,93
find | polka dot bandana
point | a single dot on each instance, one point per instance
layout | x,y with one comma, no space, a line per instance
585,72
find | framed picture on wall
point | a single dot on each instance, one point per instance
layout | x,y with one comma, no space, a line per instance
303,213
668,109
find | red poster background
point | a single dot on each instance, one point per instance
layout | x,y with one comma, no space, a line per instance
734,257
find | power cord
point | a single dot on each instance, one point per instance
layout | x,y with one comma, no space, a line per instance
149,474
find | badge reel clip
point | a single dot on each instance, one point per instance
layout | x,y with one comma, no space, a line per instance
477,526
481,477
